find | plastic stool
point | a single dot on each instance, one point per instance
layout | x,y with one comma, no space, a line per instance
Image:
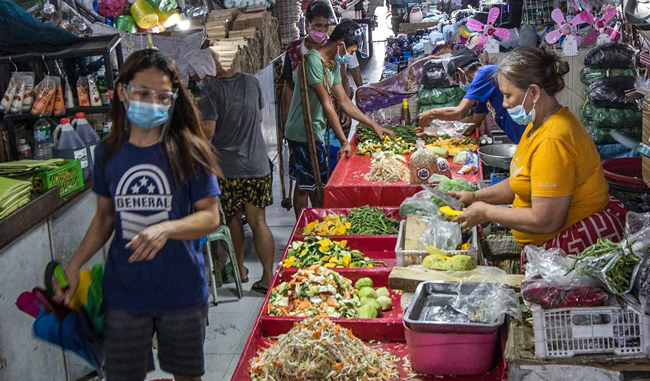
223,233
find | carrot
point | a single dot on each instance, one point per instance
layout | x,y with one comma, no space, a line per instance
304,304
314,267
323,314
331,302
338,366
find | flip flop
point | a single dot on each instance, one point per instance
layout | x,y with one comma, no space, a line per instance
258,288
245,280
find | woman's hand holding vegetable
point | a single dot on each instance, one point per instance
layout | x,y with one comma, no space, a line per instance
467,198
475,215
148,242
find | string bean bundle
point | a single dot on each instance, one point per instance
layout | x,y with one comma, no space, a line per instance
371,221
407,133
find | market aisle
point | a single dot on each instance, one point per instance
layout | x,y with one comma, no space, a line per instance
232,321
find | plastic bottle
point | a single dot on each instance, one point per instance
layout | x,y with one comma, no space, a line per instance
42,140
426,42
102,86
68,145
24,150
405,119
87,133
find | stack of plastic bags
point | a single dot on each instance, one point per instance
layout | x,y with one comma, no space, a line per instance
437,88
14,194
609,72
25,168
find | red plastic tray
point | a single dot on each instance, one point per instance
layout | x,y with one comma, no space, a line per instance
347,187
311,214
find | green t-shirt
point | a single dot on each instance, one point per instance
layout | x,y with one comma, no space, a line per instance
314,70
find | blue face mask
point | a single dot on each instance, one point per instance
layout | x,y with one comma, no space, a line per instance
201,85
345,59
147,115
518,113
464,85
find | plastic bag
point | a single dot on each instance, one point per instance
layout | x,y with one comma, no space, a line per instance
611,55
442,95
163,5
588,75
59,105
441,234
451,128
83,92
424,108
437,73
488,302
111,8
549,283
44,97
422,165
419,205
610,92
599,121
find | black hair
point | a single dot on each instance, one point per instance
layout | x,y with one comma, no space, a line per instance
346,31
474,66
318,9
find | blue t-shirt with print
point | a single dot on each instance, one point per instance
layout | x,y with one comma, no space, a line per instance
139,181
485,90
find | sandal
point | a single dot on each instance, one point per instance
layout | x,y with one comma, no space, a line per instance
244,280
259,288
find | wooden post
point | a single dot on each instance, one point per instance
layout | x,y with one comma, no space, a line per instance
309,130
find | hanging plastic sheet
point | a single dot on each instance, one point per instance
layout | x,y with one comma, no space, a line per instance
16,25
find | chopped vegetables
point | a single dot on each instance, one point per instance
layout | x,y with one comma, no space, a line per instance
333,224
398,146
367,220
407,133
387,167
318,349
315,291
330,254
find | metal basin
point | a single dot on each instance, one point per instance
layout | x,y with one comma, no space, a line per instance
497,155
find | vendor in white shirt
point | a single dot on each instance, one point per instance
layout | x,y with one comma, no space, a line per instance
317,21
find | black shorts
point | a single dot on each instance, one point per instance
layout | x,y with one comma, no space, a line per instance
127,343
235,193
300,168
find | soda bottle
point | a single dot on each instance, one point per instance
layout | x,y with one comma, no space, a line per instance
24,150
42,140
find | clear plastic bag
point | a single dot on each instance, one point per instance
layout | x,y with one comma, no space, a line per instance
437,73
419,205
442,234
550,284
610,92
454,129
611,55
488,302
44,92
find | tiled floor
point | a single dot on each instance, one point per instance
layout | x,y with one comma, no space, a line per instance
232,320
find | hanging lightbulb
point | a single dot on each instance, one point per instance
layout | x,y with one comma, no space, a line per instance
184,24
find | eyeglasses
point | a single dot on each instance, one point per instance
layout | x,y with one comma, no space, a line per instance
163,97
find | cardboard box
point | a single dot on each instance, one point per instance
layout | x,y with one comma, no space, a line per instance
254,20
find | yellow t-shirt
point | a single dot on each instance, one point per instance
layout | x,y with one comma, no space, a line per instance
559,159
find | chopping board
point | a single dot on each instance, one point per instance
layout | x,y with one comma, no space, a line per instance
407,279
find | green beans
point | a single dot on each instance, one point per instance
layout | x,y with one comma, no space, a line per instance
371,221
407,133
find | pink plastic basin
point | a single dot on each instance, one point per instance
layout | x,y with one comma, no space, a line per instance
452,354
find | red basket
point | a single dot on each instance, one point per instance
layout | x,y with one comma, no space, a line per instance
624,171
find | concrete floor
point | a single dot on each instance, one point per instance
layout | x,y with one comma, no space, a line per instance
232,320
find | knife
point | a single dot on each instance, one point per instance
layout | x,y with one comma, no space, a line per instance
452,202
630,143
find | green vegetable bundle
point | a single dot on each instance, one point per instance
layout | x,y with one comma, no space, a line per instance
371,221
599,121
407,133
607,262
440,96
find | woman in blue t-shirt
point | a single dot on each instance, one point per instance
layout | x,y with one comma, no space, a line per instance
481,91
155,179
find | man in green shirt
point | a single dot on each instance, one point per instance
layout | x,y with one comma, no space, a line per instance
324,80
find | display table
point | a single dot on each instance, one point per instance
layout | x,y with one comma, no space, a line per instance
347,187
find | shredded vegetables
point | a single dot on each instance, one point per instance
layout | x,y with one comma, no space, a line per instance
387,167
318,349
315,291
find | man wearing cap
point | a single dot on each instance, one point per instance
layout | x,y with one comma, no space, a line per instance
482,90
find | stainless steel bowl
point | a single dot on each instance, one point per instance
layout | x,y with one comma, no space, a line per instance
497,155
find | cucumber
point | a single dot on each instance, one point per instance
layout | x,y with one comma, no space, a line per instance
440,152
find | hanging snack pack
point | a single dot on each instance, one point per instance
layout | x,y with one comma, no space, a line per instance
95,99
59,105
9,94
28,95
18,97
83,92
45,92
17,102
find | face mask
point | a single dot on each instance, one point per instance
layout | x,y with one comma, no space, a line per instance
345,59
464,85
518,113
201,85
318,37
147,115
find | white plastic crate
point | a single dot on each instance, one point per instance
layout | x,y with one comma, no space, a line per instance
566,332
407,258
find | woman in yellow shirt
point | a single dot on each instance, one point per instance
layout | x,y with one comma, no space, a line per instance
557,187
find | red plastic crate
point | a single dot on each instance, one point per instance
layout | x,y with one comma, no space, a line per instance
310,214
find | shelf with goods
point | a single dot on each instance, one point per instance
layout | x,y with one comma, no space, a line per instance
97,46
